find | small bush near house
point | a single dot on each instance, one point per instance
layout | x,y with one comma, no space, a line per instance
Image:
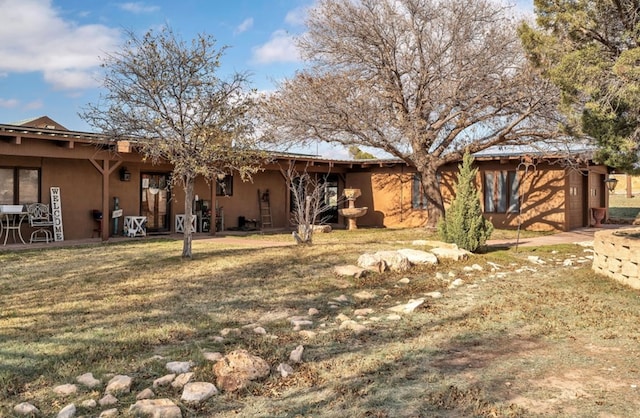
464,224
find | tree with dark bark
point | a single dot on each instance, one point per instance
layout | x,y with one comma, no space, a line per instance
590,49
166,95
422,80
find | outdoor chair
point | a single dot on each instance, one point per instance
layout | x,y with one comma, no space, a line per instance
40,218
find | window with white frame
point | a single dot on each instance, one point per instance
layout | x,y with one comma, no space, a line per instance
501,191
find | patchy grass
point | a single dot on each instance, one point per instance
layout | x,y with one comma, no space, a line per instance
524,340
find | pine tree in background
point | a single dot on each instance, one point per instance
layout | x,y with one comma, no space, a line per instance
464,224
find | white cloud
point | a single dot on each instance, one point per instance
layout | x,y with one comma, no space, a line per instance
36,104
280,48
244,26
297,16
137,7
8,103
35,38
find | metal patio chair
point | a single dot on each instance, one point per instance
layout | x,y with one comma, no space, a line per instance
41,219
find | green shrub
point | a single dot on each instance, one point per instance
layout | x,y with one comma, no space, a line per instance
463,223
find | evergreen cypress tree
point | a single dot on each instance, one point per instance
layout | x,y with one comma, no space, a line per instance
464,224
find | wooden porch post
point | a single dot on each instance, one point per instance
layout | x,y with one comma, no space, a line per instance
106,171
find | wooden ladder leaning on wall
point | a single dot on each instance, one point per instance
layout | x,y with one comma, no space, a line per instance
264,206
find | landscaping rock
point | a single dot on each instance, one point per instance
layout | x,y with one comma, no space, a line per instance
394,260
363,312
342,299
260,331
342,317
284,369
68,411
394,317
156,408
296,355
109,413
299,323
89,403
65,390
88,380
145,394
25,408
535,259
418,256
452,252
404,280
238,368
408,307
313,311
364,295
372,262
434,295
119,384
349,270
178,367
456,283
164,380
352,326
182,380
198,392
108,400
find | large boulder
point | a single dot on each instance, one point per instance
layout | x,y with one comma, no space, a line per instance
418,256
451,252
383,260
237,369
372,262
395,260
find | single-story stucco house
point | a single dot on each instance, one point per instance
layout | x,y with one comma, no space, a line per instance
93,174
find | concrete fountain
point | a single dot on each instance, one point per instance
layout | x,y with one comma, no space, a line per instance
352,212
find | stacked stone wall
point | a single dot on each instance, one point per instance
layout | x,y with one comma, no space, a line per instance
617,255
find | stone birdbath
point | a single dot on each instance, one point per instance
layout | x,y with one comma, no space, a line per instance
352,212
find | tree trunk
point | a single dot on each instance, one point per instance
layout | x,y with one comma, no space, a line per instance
189,182
431,189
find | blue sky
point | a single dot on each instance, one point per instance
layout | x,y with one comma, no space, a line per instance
50,49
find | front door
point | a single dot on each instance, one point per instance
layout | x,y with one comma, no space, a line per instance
331,198
154,201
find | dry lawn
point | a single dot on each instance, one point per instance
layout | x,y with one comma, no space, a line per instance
527,340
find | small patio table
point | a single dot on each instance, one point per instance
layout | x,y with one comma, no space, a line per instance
11,218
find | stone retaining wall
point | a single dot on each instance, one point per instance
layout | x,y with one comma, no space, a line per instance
617,255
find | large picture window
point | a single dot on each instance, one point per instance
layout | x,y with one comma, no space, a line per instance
501,192
19,186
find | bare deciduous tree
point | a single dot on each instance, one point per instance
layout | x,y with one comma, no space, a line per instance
309,200
166,94
423,80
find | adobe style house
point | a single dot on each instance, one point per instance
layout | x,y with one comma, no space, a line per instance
94,174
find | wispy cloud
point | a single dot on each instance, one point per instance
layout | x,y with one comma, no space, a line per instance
281,47
244,26
8,103
36,104
138,7
51,45
297,16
